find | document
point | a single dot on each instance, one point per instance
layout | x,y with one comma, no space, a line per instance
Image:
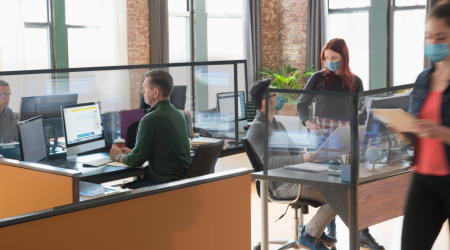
309,167
398,118
120,164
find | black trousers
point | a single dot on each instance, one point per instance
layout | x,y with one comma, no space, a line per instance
427,208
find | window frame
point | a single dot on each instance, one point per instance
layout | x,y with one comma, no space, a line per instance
392,9
349,10
49,26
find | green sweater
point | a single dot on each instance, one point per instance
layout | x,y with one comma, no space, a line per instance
162,139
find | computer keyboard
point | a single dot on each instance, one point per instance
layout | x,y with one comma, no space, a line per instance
98,162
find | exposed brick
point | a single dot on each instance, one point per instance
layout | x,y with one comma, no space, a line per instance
138,45
284,33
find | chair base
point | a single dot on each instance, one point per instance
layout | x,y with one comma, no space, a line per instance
286,244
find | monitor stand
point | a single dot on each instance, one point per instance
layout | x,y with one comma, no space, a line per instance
72,157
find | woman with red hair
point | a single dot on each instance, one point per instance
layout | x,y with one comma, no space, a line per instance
332,111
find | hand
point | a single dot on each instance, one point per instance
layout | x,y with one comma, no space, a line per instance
310,156
316,129
114,152
126,150
426,129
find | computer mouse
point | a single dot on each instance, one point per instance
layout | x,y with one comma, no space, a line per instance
334,162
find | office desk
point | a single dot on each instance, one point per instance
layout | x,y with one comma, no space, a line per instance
100,174
381,195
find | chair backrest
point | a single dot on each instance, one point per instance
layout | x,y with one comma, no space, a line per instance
178,96
127,118
205,159
252,156
131,135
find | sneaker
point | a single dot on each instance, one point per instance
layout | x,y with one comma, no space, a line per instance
366,240
331,229
310,242
327,240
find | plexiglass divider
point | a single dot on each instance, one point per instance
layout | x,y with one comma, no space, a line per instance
334,140
118,88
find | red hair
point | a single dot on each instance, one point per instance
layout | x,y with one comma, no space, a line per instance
338,45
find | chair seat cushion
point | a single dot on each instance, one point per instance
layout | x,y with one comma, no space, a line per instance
309,203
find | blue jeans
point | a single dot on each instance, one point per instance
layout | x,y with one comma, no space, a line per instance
140,183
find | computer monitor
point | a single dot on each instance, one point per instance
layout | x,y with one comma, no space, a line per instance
83,128
48,106
375,128
32,140
225,105
392,102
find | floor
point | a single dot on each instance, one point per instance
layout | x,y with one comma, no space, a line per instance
387,233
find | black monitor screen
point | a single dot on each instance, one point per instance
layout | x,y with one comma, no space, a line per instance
49,106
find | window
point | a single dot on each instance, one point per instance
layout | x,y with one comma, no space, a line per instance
179,42
37,34
407,35
95,33
225,30
349,20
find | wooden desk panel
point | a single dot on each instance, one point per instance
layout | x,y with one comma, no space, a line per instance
213,215
25,190
383,199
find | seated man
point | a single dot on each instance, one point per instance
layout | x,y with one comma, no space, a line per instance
8,123
313,236
162,138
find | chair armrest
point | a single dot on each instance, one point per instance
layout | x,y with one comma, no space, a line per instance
273,199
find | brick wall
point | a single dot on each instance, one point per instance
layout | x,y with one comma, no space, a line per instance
284,32
138,45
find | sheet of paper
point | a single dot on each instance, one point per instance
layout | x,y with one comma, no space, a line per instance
120,164
398,118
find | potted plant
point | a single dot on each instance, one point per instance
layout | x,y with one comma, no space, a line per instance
287,77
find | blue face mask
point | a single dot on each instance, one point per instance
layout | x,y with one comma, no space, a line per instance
436,52
333,66
280,102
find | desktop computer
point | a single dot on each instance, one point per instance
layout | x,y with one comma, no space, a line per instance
83,128
49,107
225,107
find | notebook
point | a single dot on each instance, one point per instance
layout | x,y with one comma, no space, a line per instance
309,167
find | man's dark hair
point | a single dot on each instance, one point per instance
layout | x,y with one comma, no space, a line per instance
161,79
3,84
257,92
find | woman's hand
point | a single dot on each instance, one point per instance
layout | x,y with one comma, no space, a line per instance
427,129
310,156
313,127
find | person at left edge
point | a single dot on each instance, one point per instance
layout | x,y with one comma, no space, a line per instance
8,121
162,138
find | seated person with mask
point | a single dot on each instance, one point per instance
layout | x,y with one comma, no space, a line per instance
8,123
162,138
312,235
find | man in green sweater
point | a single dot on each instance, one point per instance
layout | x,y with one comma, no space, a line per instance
162,138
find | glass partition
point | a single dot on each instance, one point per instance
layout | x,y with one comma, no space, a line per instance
328,132
118,89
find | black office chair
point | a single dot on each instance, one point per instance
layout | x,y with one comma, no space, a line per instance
205,159
295,204
131,135
177,98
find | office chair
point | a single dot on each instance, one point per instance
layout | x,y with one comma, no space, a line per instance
205,159
295,204
177,98
131,135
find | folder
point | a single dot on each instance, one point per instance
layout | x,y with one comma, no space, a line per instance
398,118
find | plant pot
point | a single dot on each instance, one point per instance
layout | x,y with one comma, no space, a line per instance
288,110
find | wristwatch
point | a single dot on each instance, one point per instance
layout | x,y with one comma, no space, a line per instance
117,157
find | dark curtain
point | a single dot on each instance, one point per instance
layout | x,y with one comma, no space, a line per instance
316,31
